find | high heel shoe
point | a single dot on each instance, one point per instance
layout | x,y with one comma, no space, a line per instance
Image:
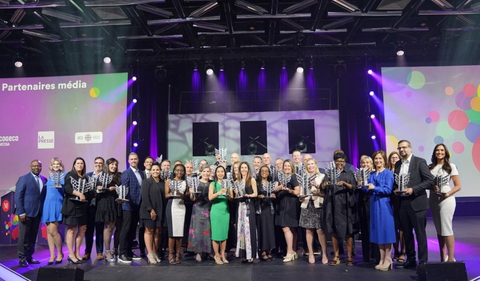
378,266
151,259
74,262
59,261
311,258
295,255
51,262
350,261
217,260
157,259
324,259
288,258
335,261
224,259
106,258
178,258
386,266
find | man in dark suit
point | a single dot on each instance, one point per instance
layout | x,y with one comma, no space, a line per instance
29,196
413,202
132,178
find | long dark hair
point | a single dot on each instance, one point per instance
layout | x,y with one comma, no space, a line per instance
248,180
84,171
446,161
106,170
259,176
224,172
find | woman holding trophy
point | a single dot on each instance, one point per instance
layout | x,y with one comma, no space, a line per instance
176,191
199,238
246,188
218,194
311,209
51,214
287,212
74,208
107,209
442,201
266,219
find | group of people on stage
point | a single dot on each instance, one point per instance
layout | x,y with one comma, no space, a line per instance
258,209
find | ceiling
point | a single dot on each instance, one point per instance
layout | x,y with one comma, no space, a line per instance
152,32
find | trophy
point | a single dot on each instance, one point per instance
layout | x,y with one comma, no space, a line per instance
402,182
57,178
222,152
239,189
165,174
122,192
226,184
82,185
175,187
193,182
362,174
283,179
104,180
194,164
332,172
159,159
440,181
269,188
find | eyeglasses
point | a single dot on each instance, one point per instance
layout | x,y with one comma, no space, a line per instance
339,161
98,163
402,147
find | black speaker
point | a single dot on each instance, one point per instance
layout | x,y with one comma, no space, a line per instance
60,273
445,271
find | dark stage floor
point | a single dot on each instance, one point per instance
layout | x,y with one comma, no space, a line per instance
467,230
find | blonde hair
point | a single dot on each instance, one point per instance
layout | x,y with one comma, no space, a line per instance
56,159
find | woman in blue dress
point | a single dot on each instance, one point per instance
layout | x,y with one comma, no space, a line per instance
52,207
382,225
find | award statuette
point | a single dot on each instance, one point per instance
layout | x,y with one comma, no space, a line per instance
362,175
269,189
283,179
82,185
165,174
440,181
226,184
193,182
122,192
175,187
222,152
104,180
332,172
402,182
57,178
239,189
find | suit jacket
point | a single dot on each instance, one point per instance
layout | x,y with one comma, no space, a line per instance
28,198
420,180
134,189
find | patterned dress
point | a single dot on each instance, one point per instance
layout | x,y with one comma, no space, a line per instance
246,228
199,238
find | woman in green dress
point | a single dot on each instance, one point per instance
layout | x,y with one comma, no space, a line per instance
219,215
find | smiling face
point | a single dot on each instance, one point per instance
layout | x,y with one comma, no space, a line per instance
220,173
206,173
56,166
440,152
179,171
394,158
244,170
36,167
297,157
311,166
133,160
155,170
264,172
189,168
266,159
148,164
287,167
257,163
98,165
79,164
379,161
404,149
112,167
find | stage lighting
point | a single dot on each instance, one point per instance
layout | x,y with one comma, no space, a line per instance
373,137
243,64
134,123
371,93
107,60
195,66
134,100
284,64
372,116
400,51
263,64
300,69
135,144
300,66
134,78
221,65
370,72
18,61
209,71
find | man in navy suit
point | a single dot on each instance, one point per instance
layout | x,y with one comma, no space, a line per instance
132,178
413,203
29,196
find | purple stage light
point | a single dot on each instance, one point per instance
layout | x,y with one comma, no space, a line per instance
134,78
373,137
134,123
371,93
134,100
372,116
135,144
370,72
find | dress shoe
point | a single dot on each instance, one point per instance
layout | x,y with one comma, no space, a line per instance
135,257
33,261
123,258
408,265
99,257
86,256
23,263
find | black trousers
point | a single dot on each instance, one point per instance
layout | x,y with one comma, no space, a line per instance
27,236
414,220
93,226
128,232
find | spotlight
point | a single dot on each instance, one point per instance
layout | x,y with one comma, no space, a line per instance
134,123
262,67
372,116
243,64
209,67
370,72
134,100
300,69
134,78
300,65
18,61
221,65
107,60
400,52
373,137
195,66
371,93
209,71
311,63
135,144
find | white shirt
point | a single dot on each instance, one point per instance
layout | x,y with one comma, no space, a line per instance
405,165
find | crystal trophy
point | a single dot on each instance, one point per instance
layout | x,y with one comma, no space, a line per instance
283,179
194,164
269,189
82,185
165,174
222,152
332,173
402,182
159,159
104,180
175,187
440,181
362,175
122,192
193,182
239,189
57,178
225,183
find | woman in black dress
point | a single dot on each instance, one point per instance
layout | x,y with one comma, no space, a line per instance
246,224
107,208
75,211
151,213
266,218
287,212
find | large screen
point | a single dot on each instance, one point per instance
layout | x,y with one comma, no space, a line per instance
431,105
65,116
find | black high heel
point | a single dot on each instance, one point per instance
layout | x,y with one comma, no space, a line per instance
74,262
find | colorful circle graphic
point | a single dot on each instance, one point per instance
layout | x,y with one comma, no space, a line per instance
416,80
458,147
444,130
476,153
458,120
94,92
472,132
438,140
470,90
434,115
449,91
475,103
462,101
473,115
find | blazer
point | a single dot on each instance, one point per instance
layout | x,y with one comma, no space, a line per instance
420,180
28,198
134,189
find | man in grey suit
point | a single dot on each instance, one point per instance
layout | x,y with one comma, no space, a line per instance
413,202
30,193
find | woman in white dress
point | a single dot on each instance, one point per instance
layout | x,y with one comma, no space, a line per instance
442,201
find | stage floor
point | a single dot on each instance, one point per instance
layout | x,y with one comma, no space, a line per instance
467,230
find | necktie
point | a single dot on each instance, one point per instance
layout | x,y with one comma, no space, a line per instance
39,182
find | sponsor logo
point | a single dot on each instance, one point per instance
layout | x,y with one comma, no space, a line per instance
88,137
6,140
5,205
46,140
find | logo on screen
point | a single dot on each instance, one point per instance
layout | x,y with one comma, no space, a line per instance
88,137
46,140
